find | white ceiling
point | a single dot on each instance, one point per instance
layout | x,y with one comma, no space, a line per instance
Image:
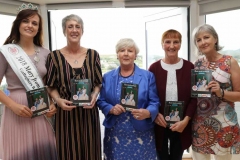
42,2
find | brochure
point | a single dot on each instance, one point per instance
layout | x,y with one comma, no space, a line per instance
173,112
80,91
38,101
199,82
129,96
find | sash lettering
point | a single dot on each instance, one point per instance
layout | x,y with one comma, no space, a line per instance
22,66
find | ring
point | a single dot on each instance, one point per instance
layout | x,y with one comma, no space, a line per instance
136,117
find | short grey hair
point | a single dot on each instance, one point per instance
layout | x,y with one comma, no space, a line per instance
206,28
126,43
72,17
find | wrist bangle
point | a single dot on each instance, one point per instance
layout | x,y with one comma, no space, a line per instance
222,93
55,100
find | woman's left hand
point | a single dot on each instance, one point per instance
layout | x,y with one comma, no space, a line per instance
140,114
179,126
215,88
93,101
52,110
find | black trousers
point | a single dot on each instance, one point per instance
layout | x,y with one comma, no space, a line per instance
171,146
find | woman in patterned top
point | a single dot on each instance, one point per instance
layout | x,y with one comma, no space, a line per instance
77,127
215,125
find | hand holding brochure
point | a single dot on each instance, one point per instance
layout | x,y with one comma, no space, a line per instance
173,112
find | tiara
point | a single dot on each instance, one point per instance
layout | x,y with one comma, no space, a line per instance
27,6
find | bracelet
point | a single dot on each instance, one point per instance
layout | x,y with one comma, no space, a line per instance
222,93
55,101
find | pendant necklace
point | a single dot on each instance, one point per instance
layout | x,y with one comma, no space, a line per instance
76,61
36,57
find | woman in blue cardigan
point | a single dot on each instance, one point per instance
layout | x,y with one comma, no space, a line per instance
129,134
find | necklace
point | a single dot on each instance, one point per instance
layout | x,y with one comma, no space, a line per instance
36,57
128,75
72,55
36,50
76,61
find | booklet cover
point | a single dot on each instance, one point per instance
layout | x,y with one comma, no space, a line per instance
80,91
199,82
38,101
129,96
173,112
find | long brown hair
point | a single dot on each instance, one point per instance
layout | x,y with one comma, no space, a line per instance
14,36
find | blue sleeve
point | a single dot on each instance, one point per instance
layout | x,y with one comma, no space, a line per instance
154,103
102,103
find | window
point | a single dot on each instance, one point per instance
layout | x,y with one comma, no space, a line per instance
104,27
4,32
227,27
157,24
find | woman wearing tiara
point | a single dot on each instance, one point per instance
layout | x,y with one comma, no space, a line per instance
23,137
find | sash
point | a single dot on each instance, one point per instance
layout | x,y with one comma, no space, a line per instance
22,66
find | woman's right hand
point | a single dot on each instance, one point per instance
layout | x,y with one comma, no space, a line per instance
22,110
160,120
65,104
117,109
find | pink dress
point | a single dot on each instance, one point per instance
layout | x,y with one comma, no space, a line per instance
24,138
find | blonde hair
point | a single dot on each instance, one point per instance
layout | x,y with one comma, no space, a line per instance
126,43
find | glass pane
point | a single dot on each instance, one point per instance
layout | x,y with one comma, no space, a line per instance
104,27
6,25
227,26
175,19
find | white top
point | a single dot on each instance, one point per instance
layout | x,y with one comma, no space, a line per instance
171,87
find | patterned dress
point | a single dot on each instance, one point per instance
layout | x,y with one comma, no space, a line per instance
215,126
123,142
25,138
77,131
